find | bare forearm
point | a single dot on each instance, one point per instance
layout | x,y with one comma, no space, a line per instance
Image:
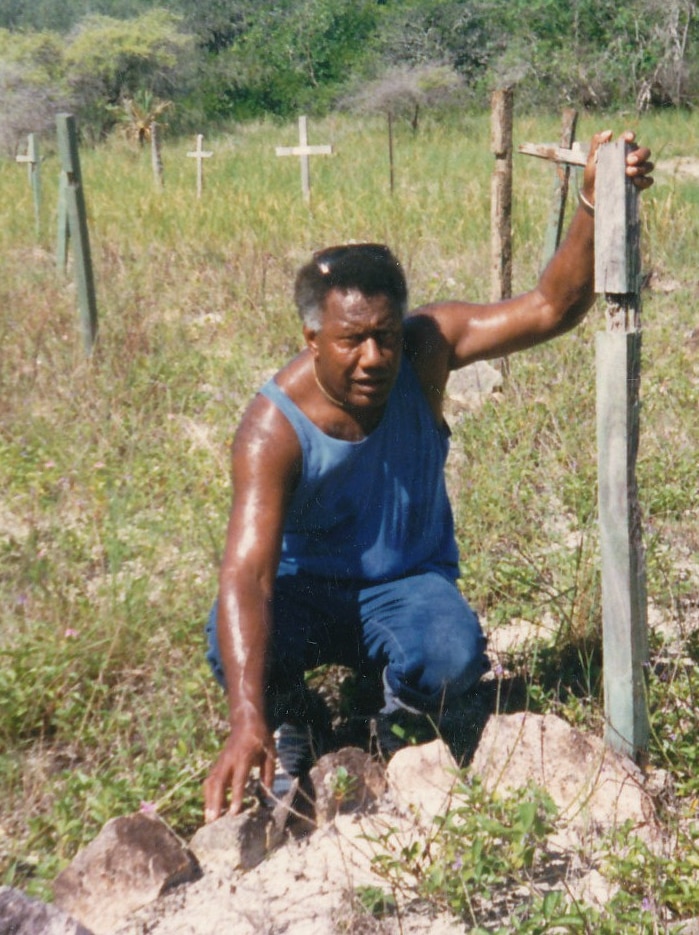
567,283
244,622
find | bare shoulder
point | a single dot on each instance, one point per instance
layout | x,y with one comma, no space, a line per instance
432,335
266,449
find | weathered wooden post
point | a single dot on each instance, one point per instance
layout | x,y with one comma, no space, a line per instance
502,103
200,155
72,226
33,162
617,275
156,158
618,351
554,229
391,174
303,151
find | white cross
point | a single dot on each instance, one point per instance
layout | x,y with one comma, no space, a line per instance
32,159
200,155
303,150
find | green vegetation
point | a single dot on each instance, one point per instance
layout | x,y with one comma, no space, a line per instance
221,61
114,470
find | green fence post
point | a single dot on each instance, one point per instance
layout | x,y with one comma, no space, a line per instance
624,608
72,226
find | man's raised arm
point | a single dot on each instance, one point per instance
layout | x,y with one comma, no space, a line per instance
449,335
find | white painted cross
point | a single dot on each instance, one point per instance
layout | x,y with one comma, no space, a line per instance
200,155
32,156
303,150
33,162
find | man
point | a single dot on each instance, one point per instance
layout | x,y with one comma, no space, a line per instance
340,544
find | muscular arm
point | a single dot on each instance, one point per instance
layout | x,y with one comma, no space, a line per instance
266,457
447,335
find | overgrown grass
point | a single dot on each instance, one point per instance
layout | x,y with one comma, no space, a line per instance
113,470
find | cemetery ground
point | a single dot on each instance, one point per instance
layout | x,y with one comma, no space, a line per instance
114,468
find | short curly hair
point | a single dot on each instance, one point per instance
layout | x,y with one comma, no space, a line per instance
369,267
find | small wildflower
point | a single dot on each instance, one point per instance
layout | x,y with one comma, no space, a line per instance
647,904
148,808
457,864
498,671
70,633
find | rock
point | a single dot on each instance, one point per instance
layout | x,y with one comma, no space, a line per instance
21,915
239,842
129,864
593,787
346,781
421,779
469,386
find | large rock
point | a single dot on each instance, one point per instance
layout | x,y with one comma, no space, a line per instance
421,780
21,915
131,862
594,788
344,782
237,842
470,386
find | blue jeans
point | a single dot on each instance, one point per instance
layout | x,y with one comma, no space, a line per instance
419,628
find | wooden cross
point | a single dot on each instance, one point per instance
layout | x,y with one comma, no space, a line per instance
618,366
33,165
303,150
200,155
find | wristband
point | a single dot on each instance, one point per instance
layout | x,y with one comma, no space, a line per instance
589,207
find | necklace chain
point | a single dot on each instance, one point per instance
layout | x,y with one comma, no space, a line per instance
328,396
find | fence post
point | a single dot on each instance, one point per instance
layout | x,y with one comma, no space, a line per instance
560,189
624,609
72,226
502,103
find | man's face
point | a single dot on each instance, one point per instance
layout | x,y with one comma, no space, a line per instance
357,351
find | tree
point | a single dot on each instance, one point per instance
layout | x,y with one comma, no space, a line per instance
110,59
32,85
406,91
295,56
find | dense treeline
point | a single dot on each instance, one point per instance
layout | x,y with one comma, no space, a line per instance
216,60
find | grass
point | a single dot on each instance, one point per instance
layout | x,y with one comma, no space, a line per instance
114,470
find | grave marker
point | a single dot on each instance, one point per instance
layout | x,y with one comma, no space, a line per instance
618,366
33,168
200,155
303,151
72,226
559,196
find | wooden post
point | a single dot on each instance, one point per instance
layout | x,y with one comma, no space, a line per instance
156,156
303,151
501,195
33,168
624,607
200,155
72,225
390,150
560,189
617,275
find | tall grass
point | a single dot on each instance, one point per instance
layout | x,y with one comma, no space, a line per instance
114,469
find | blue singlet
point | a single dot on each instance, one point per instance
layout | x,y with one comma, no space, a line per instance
372,510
